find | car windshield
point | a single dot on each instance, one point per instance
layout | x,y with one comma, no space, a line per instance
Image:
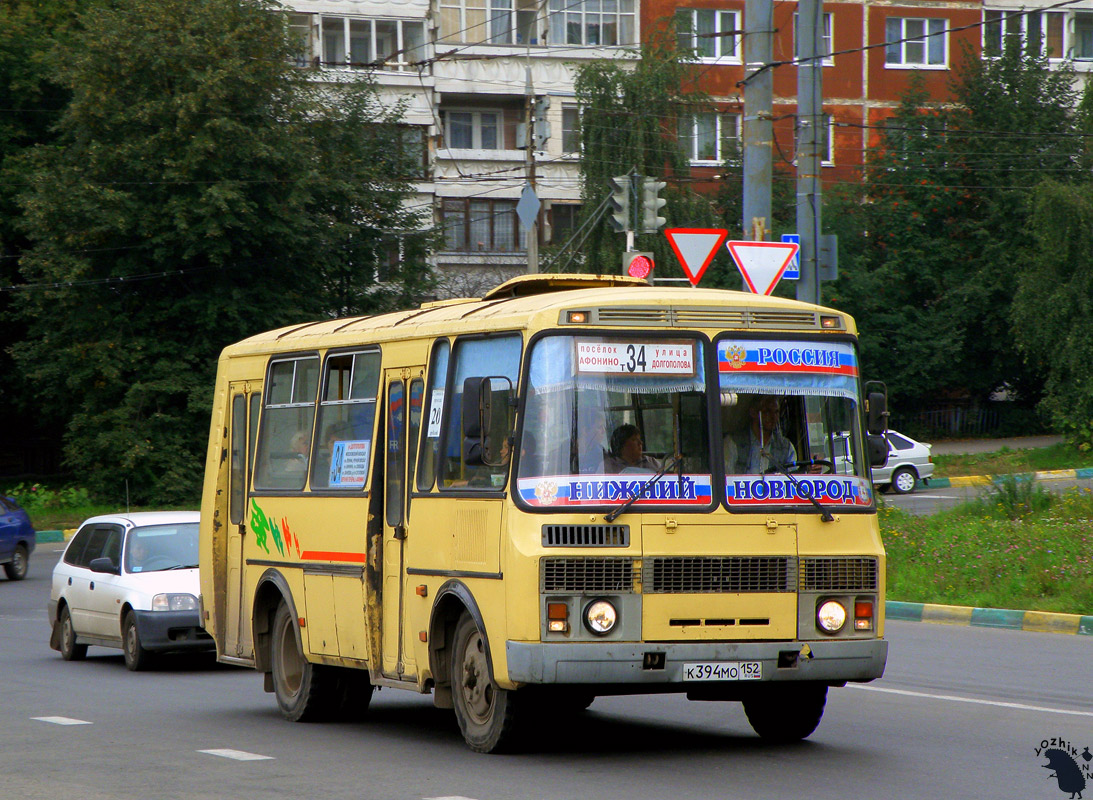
602,416
152,548
790,423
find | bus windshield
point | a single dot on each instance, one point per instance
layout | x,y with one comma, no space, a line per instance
604,414
790,424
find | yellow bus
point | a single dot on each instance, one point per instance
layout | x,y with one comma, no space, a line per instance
574,486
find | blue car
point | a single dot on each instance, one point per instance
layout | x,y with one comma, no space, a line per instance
17,539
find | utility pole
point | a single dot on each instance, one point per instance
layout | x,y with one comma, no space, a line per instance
758,127
810,139
529,143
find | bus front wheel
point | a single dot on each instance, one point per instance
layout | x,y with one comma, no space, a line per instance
786,712
302,688
486,713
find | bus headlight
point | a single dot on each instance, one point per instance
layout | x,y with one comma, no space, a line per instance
174,602
600,617
831,616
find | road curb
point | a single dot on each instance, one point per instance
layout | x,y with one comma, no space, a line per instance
1037,621
986,480
55,536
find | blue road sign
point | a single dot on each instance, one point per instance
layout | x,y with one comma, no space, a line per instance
793,269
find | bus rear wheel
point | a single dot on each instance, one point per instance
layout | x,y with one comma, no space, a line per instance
786,712
304,690
485,712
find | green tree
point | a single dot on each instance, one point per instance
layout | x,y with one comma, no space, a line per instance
1054,304
629,117
200,189
931,240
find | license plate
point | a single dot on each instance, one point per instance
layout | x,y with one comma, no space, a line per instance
723,671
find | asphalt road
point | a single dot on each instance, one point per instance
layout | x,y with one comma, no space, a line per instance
960,713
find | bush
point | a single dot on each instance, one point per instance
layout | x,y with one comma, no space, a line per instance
36,498
1015,497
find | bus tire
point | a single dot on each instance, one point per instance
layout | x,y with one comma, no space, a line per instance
786,712
303,689
485,712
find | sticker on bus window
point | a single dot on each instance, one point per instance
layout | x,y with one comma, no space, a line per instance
599,490
436,411
759,490
349,463
783,356
636,358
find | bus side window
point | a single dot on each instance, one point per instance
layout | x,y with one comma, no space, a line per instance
347,411
284,440
461,462
434,411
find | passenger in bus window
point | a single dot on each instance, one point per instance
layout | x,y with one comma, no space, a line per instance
627,454
762,447
296,464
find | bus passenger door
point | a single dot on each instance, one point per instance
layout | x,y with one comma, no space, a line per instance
403,421
245,401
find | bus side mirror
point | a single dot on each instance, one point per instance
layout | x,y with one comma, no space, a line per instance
877,422
877,445
496,400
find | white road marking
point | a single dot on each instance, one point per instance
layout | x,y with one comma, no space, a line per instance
238,755
976,700
62,720
449,797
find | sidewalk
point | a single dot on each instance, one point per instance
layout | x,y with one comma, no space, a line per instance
969,446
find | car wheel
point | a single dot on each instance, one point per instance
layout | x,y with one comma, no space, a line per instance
16,569
485,712
904,480
136,657
786,712
70,651
305,692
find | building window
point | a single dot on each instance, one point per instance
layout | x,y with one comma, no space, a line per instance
827,42
299,31
571,129
412,151
709,137
710,33
489,21
827,142
475,225
592,22
473,130
1040,32
915,42
563,221
358,43
1083,36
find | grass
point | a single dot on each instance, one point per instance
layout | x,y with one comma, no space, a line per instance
1018,546
1006,461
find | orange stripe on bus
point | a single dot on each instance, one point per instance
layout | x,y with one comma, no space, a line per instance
323,555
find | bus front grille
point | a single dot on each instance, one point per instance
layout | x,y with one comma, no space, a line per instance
715,574
587,575
839,574
586,536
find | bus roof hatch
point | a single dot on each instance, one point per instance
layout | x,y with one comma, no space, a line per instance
525,285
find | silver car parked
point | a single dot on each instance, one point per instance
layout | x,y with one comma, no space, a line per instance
908,463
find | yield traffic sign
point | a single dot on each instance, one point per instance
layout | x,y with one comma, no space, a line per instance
762,263
695,248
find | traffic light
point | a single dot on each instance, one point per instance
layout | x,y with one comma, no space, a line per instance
620,203
542,122
651,204
637,265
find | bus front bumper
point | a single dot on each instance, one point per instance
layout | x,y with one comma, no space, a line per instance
656,664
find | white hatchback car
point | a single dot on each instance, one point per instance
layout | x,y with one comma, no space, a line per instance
908,462
129,581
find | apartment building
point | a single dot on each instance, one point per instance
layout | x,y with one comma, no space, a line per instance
462,67
875,48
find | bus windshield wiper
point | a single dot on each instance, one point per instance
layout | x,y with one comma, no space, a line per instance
611,516
825,515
